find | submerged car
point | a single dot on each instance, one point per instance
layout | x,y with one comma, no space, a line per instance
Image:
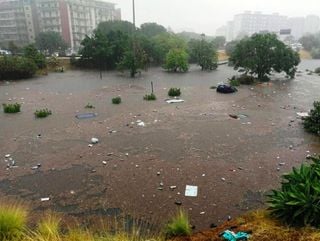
226,89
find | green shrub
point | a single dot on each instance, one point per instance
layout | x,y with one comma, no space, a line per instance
116,100
11,108
152,96
31,52
317,70
13,220
246,79
174,92
178,225
43,113
234,82
312,122
12,67
89,106
297,201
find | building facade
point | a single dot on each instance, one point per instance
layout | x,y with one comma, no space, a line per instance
16,22
248,23
73,19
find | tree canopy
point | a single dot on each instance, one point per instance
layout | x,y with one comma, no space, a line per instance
152,29
204,53
263,53
176,60
50,42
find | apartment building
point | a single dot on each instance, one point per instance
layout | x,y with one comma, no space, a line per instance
248,23
16,22
73,19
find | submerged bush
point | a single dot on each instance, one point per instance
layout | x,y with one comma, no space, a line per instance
42,113
312,122
246,79
11,108
297,201
152,96
13,220
179,225
317,70
174,92
234,82
89,106
116,100
16,68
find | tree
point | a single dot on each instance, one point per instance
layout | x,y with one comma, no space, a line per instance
204,54
162,43
31,52
230,46
50,42
134,59
152,29
14,49
263,53
115,26
177,60
219,42
310,41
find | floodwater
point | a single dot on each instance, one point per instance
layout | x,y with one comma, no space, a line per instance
233,162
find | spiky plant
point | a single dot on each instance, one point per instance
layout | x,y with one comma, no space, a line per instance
179,225
297,202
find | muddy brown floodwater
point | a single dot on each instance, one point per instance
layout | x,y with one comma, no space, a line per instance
233,162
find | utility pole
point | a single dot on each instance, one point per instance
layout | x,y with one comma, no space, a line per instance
133,70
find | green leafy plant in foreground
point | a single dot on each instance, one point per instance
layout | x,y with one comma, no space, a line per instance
152,96
312,122
43,113
179,225
116,100
11,108
297,201
174,92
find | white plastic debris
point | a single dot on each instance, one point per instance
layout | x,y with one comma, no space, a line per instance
90,145
45,199
191,191
94,140
7,156
302,114
174,101
104,163
141,124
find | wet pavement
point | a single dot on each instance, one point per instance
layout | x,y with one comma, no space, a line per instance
234,162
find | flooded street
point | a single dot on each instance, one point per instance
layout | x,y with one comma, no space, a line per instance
234,162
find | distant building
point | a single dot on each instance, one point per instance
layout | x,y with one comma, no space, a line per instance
22,20
16,22
248,23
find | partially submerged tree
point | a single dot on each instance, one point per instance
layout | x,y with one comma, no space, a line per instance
312,122
134,59
50,42
31,52
177,60
261,54
204,54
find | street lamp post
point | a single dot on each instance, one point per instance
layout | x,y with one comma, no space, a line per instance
133,70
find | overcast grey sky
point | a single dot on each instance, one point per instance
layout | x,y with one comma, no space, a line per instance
205,16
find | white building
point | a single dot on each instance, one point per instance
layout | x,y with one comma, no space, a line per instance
248,23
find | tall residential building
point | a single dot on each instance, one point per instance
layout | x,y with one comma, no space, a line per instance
73,19
16,22
249,23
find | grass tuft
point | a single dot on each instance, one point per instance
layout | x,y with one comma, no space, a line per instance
11,108
43,113
174,92
49,228
13,218
152,96
179,225
89,106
